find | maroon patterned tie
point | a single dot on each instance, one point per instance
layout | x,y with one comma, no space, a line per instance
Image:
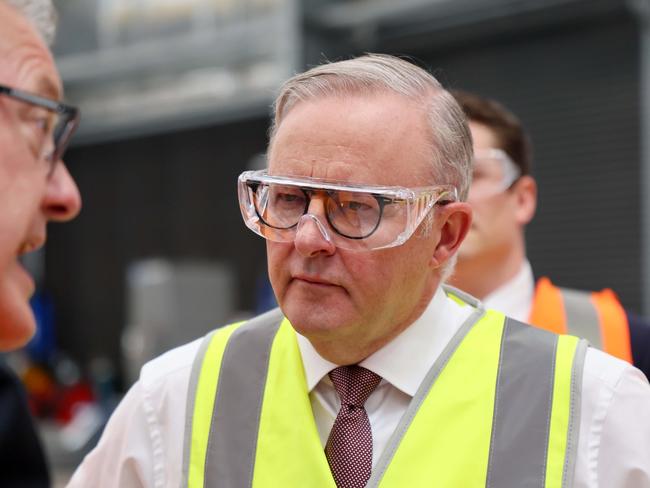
349,446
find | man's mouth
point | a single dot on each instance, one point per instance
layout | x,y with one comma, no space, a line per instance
31,245
314,280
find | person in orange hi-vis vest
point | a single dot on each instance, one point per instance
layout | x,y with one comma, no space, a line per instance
492,263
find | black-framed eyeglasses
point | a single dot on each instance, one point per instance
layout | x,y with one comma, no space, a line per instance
57,128
352,215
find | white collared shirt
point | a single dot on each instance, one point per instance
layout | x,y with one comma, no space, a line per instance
142,444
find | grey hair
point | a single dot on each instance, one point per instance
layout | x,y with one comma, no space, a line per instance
42,15
374,73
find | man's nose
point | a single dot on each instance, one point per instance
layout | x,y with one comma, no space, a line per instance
313,237
62,200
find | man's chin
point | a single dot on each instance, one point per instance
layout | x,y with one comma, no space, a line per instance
314,319
313,324
17,321
16,328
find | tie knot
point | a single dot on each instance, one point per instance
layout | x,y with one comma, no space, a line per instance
354,384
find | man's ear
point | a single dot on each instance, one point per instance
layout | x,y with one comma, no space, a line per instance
525,194
456,219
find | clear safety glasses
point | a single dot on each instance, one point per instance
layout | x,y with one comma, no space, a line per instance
353,217
493,173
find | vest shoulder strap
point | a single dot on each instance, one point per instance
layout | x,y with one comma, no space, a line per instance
228,358
538,391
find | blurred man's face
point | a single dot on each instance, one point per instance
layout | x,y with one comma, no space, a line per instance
28,197
332,294
495,225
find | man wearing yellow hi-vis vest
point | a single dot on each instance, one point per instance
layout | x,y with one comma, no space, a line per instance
372,372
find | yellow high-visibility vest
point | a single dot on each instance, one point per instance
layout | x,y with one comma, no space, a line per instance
498,409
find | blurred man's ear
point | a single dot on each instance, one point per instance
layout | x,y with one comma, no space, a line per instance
457,218
525,193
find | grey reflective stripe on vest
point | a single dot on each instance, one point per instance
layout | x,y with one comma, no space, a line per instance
581,316
573,433
189,404
232,441
522,407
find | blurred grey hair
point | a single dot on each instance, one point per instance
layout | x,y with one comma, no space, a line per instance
42,15
375,73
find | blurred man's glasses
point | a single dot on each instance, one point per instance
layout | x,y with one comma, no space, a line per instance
361,217
54,122
493,173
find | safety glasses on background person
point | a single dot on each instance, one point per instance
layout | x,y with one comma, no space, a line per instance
493,172
356,217
50,124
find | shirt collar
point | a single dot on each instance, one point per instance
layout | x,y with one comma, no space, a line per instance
405,361
515,297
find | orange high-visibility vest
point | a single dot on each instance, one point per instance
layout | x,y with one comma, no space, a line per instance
596,316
